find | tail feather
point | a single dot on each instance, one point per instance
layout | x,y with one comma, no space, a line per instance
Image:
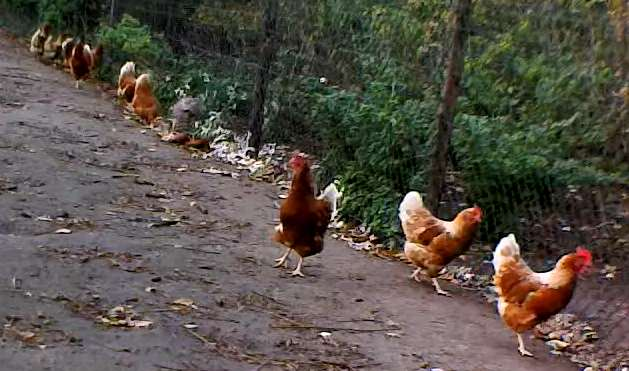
411,202
332,195
506,248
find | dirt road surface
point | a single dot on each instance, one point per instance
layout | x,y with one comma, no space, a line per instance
70,160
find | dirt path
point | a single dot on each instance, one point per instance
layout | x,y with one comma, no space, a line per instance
69,155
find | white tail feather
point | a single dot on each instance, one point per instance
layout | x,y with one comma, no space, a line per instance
143,80
128,69
332,195
411,202
506,248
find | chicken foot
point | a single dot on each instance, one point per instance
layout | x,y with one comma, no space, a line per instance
283,260
521,349
297,271
438,288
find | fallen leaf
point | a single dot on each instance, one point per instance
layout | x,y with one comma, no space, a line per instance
184,302
609,271
557,345
63,231
140,324
26,335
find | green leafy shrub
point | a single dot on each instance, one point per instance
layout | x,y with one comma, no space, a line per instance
510,173
377,143
75,16
220,90
128,40
71,16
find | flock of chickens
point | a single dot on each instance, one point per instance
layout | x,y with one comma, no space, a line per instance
525,298
78,57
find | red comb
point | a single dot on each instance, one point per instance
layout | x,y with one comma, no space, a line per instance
585,254
297,154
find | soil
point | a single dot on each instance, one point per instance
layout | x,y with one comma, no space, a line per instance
71,161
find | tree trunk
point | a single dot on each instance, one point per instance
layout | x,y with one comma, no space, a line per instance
112,13
256,118
445,112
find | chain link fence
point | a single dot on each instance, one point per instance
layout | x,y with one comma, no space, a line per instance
540,137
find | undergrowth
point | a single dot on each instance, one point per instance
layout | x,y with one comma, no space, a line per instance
532,120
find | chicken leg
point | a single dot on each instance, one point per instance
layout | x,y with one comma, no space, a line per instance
297,271
438,288
415,275
523,352
283,260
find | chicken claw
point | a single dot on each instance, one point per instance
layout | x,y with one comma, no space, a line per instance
282,260
297,271
523,352
438,288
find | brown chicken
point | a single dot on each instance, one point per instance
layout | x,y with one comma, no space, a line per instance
144,103
126,81
527,298
432,243
84,60
79,63
304,218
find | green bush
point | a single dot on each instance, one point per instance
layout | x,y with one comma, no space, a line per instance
128,40
377,144
220,90
174,76
78,17
509,173
74,16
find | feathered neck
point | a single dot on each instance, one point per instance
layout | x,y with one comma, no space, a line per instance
302,180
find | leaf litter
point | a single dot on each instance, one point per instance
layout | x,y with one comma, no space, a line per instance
123,316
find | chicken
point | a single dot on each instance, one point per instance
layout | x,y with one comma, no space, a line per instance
126,81
144,103
185,112
67,46
84,60
39,39
52,47
432,243
79,63
95,55
527,298
304,218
